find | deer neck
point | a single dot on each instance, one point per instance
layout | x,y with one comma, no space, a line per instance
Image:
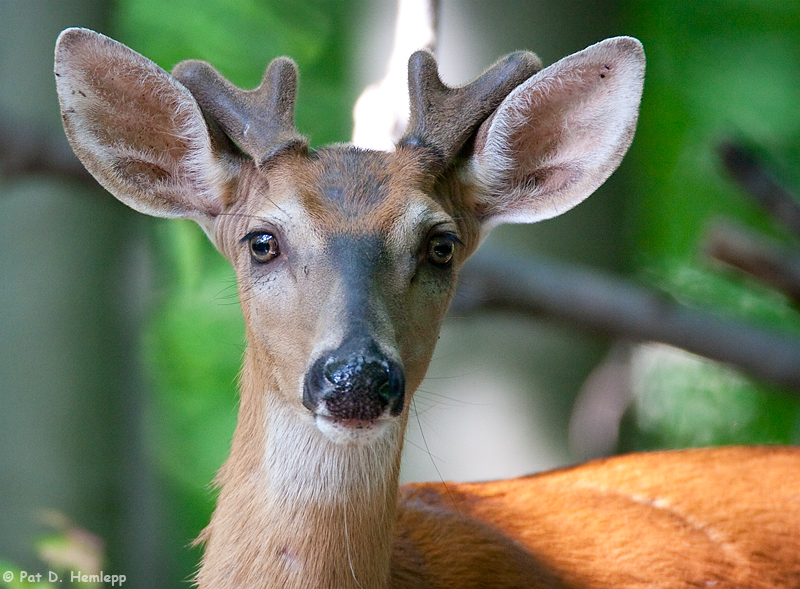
296,510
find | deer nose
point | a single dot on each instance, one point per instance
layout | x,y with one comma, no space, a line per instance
355,384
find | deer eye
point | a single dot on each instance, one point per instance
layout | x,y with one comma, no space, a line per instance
441,248
263,246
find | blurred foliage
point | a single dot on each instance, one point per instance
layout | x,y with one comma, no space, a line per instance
727,293
716,68
240,37
683,400
193,348
67,551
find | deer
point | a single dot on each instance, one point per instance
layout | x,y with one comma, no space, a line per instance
346,262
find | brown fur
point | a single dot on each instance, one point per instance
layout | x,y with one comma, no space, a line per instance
725,517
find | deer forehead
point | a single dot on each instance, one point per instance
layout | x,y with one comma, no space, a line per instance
344,193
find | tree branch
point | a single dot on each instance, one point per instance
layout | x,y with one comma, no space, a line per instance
31,150
756,255
615,307
743,165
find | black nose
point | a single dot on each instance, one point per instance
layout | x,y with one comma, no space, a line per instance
356,381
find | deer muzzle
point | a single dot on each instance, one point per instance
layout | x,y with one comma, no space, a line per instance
355,386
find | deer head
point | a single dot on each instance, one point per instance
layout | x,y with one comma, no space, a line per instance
346,259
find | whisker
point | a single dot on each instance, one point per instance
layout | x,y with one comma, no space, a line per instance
347,545
433,462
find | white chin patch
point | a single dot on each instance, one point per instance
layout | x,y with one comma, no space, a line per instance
351,431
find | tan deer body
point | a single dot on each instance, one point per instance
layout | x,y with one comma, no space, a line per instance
346,261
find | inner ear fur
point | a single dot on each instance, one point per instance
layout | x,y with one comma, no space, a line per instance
136,129
557,137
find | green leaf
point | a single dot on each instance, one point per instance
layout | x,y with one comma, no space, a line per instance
240,37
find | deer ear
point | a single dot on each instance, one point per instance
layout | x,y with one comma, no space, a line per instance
136,129
557,136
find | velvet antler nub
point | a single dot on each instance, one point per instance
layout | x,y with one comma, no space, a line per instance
443,118
260,121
